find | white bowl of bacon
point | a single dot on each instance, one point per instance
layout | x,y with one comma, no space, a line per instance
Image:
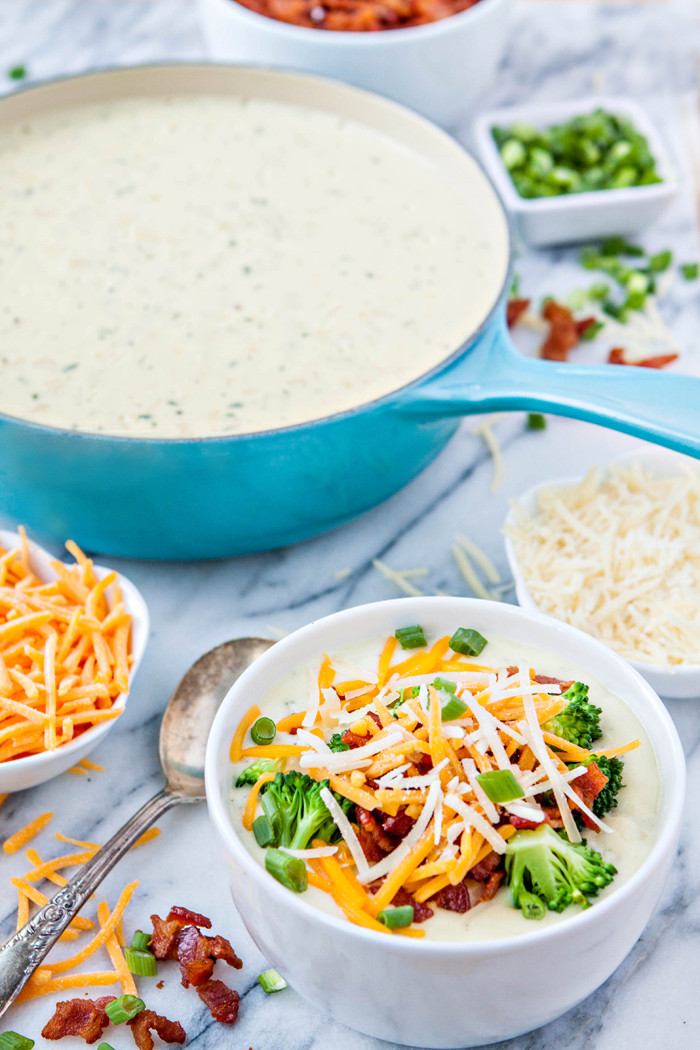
71,640
419,990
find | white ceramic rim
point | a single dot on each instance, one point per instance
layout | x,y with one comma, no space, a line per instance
138,610
544,113
676,673
673,793
338,38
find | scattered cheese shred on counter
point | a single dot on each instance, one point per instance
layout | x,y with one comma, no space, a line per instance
618,556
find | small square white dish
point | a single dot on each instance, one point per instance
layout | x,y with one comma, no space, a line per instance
20,773
678,682
576,217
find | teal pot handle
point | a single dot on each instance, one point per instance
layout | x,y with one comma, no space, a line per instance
493,376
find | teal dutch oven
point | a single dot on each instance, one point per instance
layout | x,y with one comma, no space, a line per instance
212,497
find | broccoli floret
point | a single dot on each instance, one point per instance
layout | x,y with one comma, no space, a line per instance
336,743
607,798
251,774
579,722
544,866
297,813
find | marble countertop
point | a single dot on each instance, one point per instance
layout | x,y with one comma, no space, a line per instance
555,51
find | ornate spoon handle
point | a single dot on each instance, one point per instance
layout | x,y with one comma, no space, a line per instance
22,954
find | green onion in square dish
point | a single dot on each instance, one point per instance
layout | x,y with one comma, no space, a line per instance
589,152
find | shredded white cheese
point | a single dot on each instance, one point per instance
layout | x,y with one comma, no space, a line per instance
618,556
346,830
383,867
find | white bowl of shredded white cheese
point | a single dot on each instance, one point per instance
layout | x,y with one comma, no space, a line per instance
617,554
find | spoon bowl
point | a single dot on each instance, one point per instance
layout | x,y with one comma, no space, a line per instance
183,738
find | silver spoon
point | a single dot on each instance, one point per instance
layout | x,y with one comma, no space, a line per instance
183,739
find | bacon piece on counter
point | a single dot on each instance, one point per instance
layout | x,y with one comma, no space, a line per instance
221,1000
515,310
197,954
617,357
147,1020
563,333
81,1017
188,918
421,911
453,898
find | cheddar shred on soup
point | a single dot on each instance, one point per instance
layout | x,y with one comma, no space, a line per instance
205,265
452,788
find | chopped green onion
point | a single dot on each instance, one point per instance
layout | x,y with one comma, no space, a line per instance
467,641
619,246
290,871
454,708
397,918
536,421
262,829
500,785
690,271
272,981
532,907
140,940
124,1008
105,1046
264,731
592,331
141,962
411,637
660,262
445,684
17,73
13,1041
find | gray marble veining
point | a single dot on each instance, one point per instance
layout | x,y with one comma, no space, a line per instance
555,51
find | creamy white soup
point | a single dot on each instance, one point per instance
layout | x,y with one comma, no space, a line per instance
203,265
629,829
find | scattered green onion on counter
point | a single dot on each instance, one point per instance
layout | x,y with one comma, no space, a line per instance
141,962
536,421
124,1008
17,73
690,271
13,1041
264,731
592,151
140,940
411,637
500,785
397,918
272,981
467,641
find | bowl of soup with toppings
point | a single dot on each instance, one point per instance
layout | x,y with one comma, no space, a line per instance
424,801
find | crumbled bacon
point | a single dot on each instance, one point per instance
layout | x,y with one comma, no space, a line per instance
375,718
163,941
197,954
545,679
221,1000
168,1031
588,786
374,841
400,825
491,886
424,763
485,867
563,333
515,310
523,822
617,357
82,1017
353,739
453,898
553,816
421,911
188,918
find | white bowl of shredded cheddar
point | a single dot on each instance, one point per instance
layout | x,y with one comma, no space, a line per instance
617,554
71,640
376,970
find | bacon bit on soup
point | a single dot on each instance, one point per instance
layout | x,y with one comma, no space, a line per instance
420,810
358,15
617,357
